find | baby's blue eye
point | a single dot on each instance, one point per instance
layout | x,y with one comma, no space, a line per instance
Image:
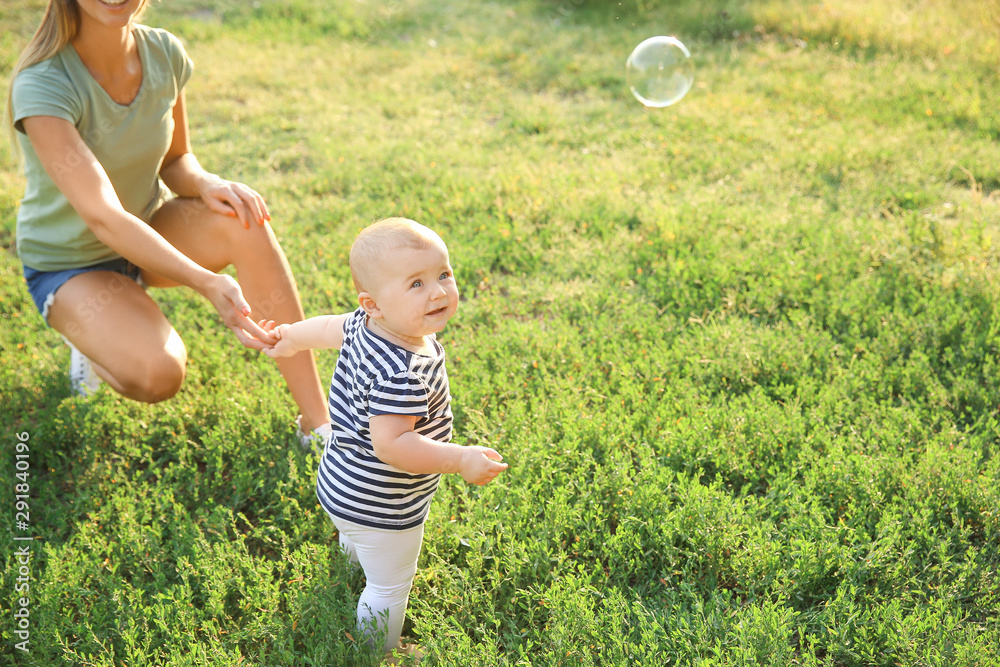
416,283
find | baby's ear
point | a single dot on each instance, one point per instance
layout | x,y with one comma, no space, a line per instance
367,301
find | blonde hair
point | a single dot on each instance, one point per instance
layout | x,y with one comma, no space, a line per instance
380,238
58,28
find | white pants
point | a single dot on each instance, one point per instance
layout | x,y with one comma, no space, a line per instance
389,559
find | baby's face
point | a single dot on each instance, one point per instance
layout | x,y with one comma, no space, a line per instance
416,292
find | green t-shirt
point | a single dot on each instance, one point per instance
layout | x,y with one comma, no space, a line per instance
129,141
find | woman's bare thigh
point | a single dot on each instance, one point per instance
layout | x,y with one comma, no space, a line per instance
111,320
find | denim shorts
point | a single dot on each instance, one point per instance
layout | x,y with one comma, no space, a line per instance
43,285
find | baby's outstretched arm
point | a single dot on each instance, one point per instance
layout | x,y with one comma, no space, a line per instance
397,444
315,333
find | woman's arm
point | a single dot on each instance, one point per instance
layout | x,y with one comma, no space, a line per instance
87,187
182,173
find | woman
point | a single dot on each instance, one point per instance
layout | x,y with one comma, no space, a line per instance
97,106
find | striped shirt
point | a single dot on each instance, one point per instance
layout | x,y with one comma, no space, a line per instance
376,377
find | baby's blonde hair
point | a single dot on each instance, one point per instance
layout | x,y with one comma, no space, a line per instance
377,240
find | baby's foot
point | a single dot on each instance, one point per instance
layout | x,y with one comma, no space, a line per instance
403,654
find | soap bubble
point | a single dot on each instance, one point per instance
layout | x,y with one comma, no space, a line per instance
659,71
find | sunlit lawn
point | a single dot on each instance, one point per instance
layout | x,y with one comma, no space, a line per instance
741,352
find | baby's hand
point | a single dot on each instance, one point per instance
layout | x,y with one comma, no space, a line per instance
480,465
283,346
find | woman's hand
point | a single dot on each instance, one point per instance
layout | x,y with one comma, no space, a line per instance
225,295
235,200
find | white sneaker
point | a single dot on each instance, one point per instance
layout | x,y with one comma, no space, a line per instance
82,378
315,439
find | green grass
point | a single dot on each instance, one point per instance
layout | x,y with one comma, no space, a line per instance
742,353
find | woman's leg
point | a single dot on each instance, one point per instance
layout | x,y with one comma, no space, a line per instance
114,323
215,241
389,559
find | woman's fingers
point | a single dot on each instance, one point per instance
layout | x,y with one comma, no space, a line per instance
239,201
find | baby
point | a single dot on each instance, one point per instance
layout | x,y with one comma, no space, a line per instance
390,411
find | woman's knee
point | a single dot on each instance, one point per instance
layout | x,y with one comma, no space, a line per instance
155,380
256,242
156,375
